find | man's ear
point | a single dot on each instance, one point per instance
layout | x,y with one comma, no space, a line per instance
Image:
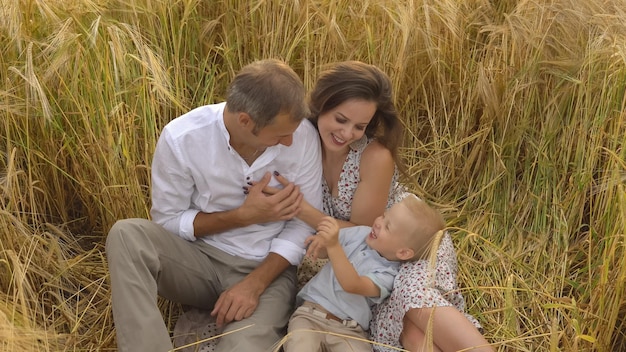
405,253
244,120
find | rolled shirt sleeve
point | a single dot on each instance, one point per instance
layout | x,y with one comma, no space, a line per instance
172,187
290,243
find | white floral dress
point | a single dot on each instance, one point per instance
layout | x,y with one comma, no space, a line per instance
415,287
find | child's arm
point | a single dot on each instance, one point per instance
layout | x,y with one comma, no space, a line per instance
349,279
451,331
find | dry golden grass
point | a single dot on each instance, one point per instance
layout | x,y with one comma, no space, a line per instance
515,115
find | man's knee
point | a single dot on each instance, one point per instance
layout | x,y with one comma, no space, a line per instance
123,237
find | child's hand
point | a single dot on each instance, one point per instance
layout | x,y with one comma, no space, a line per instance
328,228
327,236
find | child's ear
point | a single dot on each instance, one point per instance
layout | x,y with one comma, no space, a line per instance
405,253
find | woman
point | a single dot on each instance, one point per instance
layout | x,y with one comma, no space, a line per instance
353,110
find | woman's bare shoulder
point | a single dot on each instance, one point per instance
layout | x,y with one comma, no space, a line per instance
376,153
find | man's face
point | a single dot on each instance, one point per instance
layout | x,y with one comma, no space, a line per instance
278,132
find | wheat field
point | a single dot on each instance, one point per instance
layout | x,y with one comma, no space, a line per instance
515,127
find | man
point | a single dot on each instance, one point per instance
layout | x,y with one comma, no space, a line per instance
216,240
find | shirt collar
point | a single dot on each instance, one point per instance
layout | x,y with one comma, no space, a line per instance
268,155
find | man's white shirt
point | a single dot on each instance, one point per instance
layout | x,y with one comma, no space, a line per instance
195,169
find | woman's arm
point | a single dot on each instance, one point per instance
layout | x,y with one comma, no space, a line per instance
370,198
376,171
308,213
313,216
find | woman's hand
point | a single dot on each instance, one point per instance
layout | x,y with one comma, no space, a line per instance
306,212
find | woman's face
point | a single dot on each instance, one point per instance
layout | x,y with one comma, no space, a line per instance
345,123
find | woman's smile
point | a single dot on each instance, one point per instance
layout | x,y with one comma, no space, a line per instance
337,140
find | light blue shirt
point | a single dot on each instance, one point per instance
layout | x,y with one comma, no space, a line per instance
195,169
325,290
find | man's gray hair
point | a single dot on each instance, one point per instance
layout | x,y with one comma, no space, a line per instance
264,89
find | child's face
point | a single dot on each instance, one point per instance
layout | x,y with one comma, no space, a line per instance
390,232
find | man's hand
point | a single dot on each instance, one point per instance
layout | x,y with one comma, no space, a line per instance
236,303
327,236
241,300
273,190
260,207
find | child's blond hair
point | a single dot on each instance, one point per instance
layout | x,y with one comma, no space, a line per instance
429,222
